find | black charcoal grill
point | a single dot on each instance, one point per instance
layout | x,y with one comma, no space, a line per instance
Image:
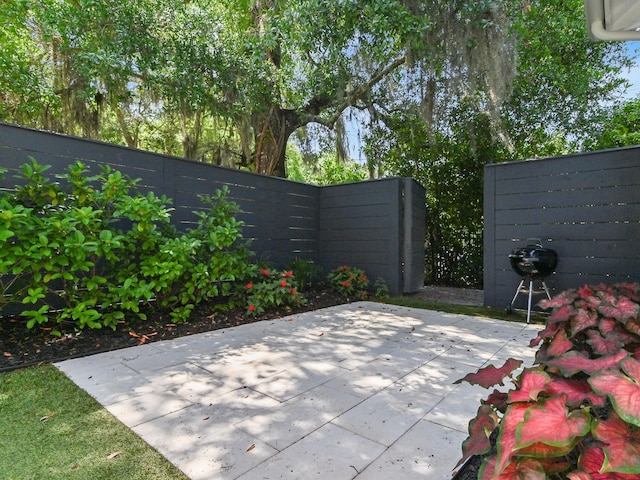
533,263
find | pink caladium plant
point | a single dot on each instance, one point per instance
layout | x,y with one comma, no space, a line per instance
576,413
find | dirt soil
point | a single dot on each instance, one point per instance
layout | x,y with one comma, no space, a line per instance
21,347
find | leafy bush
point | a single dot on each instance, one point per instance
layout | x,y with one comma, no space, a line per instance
349,281
90,251
576,414
271,289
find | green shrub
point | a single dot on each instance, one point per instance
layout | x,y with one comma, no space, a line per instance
91,251
349,281
211,258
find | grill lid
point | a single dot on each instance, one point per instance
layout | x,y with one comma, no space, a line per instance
533,260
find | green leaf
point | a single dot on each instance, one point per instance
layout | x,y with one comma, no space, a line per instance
106,235
5,234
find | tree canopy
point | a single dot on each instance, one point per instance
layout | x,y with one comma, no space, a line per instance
230,82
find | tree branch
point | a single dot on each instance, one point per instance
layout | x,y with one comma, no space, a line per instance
311,111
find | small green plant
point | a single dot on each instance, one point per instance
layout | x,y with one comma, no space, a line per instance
380,288
576,414
349,281
305,271
270,289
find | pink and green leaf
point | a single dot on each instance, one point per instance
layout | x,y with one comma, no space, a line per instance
480,429
489,376
621,445
552,424
559,344
562,314
585,291
605,325
573,362
577,392
633,325
548,332
590,464
542,450
608,344
532,382
522,468
498,400
619,308
623,390
507,440
560,300
583,319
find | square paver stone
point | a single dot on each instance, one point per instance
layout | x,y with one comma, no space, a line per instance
330,453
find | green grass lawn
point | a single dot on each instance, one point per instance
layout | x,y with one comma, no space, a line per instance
50,429
472,310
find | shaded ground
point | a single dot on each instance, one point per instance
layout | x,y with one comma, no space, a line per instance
456,296
21,347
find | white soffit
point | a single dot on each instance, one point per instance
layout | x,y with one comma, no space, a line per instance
613,19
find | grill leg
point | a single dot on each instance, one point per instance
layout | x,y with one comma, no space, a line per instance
530,295
546,290
510,308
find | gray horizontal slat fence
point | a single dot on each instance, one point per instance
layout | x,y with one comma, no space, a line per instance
586,207
284,219
372,231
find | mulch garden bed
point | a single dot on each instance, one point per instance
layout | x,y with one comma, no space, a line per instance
21,347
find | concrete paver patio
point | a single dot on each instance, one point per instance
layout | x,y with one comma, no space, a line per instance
360,391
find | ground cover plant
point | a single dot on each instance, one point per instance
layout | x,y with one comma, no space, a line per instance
576,413
50,429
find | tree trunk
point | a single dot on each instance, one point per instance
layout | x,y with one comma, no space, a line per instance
272,130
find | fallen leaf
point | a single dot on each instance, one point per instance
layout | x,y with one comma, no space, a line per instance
7,354
206,418
113,455
321,334
413,329
251,447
